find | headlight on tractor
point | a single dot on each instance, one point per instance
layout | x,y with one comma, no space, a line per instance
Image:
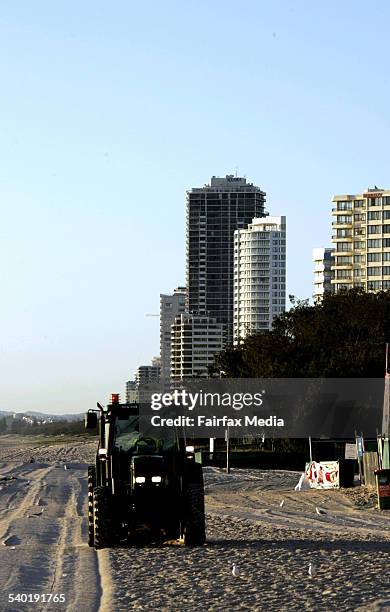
156,479
140,479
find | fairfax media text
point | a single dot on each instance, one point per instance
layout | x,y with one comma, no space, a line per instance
206,421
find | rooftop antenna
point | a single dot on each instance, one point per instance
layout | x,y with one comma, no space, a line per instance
236,170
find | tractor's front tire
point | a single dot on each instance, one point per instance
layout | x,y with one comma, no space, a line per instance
194,531
101,517
91,486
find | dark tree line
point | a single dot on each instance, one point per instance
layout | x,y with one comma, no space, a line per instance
344,336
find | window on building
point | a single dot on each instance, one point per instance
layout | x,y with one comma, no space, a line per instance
359,245
374,257
344,205
374,201
374,271
341,261
343,246
344,219
374,285
373,215
374,243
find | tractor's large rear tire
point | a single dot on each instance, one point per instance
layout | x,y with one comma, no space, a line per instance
194,527
91,486
101,517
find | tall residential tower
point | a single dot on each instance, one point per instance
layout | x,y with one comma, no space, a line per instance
259,275
214,212
170,307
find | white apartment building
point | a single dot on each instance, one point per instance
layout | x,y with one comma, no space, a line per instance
361,235
171,305
323,261
259,275
132,394
146,375
195,341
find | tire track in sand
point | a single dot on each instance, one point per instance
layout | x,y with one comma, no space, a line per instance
78,569
27,502
106,582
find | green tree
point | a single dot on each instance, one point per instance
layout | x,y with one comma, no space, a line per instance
342,337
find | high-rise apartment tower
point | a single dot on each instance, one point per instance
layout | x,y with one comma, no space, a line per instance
259,275
170,307
214,212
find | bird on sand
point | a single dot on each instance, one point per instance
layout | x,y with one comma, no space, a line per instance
235,570
300,482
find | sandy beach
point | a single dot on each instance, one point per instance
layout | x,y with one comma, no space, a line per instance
255,519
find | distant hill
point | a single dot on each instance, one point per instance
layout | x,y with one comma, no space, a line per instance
43,416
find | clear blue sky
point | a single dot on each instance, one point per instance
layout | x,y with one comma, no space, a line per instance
109,111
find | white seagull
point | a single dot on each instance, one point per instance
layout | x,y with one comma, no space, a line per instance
311,571
235,570
300,482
